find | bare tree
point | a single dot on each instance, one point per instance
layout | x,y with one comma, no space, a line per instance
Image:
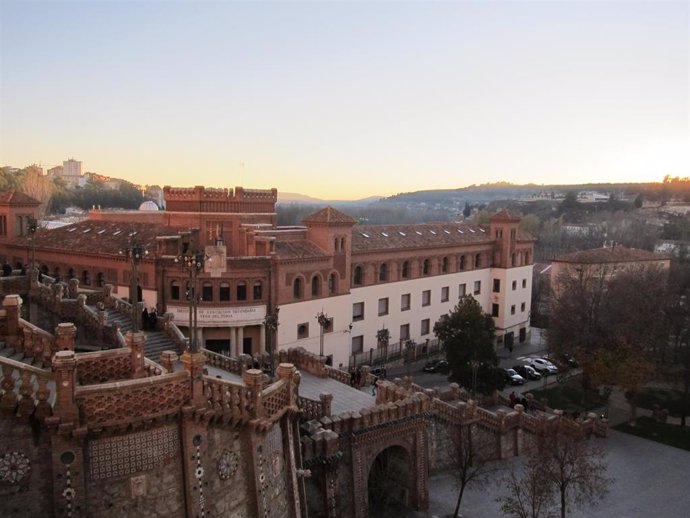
473,458
575,469
529,496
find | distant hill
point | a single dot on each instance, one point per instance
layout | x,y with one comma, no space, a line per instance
293,197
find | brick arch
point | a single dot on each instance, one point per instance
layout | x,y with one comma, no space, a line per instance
408,434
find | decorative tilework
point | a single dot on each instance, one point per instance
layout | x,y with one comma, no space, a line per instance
121,456
14,466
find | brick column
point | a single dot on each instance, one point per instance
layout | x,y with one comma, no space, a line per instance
194,364
12,306
287,371
64,367
326,400
168,360
254,379
136,340
65,336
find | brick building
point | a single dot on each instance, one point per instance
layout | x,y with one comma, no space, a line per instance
360,278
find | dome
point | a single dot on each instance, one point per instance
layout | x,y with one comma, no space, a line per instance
148,205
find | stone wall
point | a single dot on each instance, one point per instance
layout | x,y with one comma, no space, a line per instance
136,474
25,469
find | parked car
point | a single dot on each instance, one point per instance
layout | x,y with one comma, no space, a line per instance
527,372
379,372
544,367
437,366
513,377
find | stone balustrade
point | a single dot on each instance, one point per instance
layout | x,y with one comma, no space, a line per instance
226,363
26,390
229,400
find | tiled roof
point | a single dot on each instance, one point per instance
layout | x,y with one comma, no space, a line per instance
329,215
504,215
17,197
613,254
427,235
297,249
99,237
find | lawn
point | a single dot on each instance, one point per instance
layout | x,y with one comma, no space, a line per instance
569,397
669,434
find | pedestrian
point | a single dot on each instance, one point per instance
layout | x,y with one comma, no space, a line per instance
153,319
145,319
373,386
513,399
358,377
352,377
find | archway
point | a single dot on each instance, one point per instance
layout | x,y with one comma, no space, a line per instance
390,485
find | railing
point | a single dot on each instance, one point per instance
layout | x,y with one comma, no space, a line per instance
223,362
125,402
38,344
275,398
97,367
228,399
312,409
32,395
173,332
154,369
410,351
337,374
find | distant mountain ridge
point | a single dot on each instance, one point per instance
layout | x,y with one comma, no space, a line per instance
293,197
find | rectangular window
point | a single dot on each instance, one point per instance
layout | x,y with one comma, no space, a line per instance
444,294
405,302
494,310
303,330
357,344
514,285
426,297
425,327
477,287
462,290
522,307
175,292
383,306
404,332
257,291
3,225
357,311
242,291
207,292
497,285
224,293
524,283
512,309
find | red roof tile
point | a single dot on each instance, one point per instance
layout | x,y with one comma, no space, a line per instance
367,238
297,249
17,198
613,254
330,216
504,215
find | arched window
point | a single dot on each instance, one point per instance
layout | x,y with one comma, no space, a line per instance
383,272
297,288
332,284
405,270
85,278
357,276
444,265
258,290
241,290
426,267
527,258
100,280
336,244
56,273
462,262
70,274
478,261
512,259
315,286
44,270
342,244
224,292
175,290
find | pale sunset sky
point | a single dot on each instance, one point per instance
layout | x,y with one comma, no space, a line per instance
343,100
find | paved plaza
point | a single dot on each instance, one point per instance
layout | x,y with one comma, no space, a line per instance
651,480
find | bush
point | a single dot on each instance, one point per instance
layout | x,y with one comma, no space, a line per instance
671,400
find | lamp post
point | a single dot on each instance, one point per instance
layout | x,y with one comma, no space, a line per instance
193,263
32,227
271,323
134,253
474,365
323,320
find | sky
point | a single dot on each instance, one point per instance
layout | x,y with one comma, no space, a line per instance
348,99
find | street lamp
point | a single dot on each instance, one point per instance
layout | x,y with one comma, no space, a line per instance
32,227
193,263
323,320
134,253
271,323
